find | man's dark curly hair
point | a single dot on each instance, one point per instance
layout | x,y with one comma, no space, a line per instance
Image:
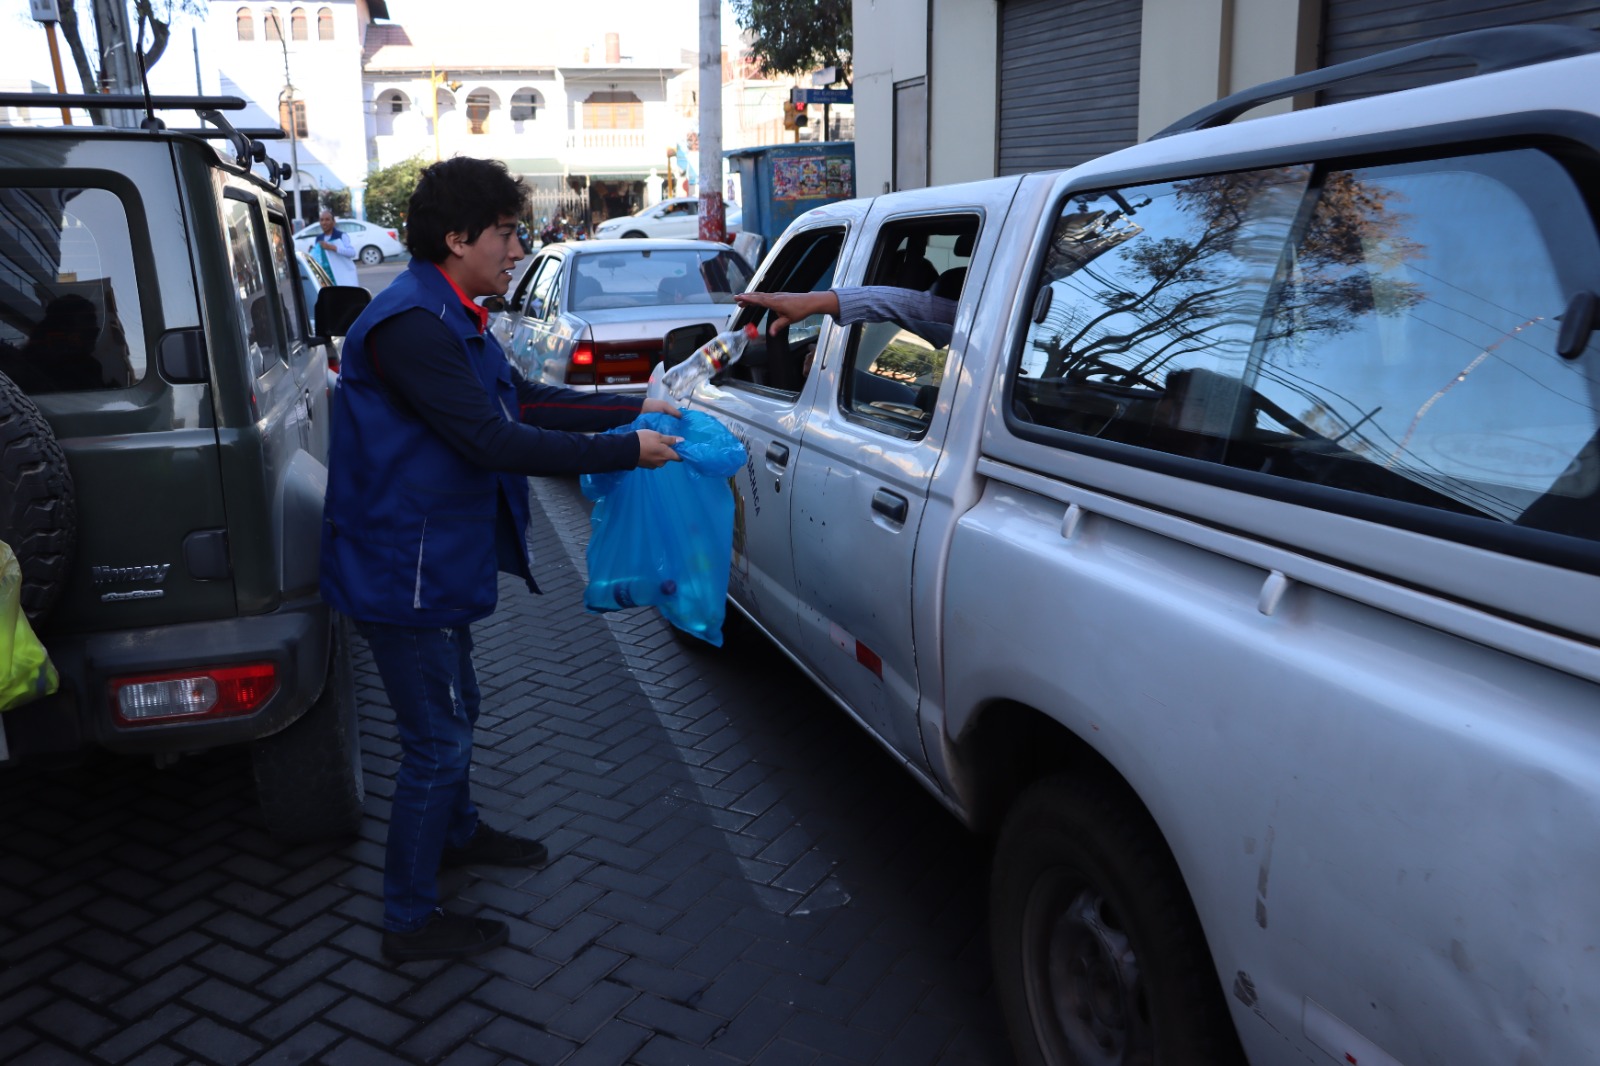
460,195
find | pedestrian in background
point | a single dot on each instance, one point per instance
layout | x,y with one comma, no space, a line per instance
434,435
334,252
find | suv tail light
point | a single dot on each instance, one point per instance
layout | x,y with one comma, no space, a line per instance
202,692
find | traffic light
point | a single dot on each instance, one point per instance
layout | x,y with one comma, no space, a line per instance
790,118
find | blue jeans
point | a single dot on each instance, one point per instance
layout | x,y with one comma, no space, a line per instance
434,692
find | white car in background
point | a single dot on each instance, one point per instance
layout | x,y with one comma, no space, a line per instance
679,217
373,243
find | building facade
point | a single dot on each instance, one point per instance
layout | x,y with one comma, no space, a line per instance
587,127
959,90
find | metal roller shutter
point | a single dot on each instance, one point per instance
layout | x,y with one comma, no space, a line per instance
1356,28
1069,81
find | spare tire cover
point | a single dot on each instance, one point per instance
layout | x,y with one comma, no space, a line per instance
38,516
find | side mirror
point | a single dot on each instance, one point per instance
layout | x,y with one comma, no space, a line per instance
682,342
338,306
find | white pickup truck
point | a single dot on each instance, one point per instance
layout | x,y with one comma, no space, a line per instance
1237,563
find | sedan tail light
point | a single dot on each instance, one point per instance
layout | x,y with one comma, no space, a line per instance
199,692
582,356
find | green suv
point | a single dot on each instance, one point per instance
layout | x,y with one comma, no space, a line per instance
163,449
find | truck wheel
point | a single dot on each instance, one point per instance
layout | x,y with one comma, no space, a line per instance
308,775
1098,956
38,512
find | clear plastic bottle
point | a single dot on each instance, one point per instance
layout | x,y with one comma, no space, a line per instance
708,360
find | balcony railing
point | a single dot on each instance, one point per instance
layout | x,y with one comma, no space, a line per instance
605,139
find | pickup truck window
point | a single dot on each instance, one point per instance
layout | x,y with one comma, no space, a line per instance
1388,330
69,301
805,263
891,375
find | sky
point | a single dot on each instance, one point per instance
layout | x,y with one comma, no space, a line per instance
24,55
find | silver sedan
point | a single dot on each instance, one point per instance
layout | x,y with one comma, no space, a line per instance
594,315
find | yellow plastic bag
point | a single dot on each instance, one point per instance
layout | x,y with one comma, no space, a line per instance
26,672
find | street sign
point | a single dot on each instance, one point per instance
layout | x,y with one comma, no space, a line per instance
802,97
45,10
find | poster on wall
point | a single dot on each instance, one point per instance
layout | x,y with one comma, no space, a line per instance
800,178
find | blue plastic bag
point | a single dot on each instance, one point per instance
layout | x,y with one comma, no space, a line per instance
664,538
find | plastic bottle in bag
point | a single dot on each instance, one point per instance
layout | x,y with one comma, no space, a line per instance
708,360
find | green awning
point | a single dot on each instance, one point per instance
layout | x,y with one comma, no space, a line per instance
551,167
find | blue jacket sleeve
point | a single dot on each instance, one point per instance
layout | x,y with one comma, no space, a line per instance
555,407
420,361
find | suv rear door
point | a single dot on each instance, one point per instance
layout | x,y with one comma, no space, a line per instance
98,280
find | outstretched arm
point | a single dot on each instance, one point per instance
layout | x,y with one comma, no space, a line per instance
790,307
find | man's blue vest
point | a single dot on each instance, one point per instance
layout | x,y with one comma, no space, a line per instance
409,525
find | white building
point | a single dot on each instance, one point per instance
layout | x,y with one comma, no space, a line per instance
574,118
246,47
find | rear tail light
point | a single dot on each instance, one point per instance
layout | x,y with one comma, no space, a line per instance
393,235
202,692
583,354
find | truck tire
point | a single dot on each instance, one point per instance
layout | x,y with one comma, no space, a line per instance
308,776
38,512
1098,956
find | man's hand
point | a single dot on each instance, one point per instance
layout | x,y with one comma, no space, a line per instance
655,449
790,307
661,407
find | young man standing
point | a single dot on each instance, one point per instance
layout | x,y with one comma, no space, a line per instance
433,437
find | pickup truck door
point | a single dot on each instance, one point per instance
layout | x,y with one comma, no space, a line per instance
873,437
763,400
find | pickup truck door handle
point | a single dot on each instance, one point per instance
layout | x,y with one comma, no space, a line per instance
891,505
778,453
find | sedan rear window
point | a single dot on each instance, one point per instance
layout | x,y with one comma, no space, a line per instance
650,278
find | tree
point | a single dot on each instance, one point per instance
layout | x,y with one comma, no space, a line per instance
337,201
797,36
157,13
389,191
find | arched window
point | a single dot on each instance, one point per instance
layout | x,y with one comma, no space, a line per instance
325,24
480,102
273,27
525,104
297,23
391,102
246,24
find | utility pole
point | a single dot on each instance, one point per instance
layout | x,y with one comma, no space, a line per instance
119,66
712,220
287,96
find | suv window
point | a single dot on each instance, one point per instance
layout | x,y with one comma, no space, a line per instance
805,264
892,374
295,314
242,220
69,302
1387,330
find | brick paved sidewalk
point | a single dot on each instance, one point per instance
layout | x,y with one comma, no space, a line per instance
741,876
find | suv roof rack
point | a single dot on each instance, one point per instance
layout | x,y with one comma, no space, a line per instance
1503,48
247,146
